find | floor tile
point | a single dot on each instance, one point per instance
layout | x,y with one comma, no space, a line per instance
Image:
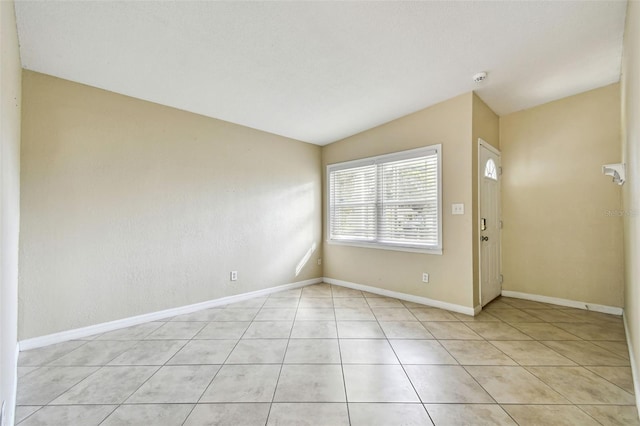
316,314
23,371
48,383
312,351
446,384
359,330
243,383
378,383
86,415
393,314
581,386
234,314
310,383
350,302
446,330
94,353
308,414
367,414
619,348
150,352
469,352
24,411
295,292
526,304
531,353
175,384
620,376
204,315
481,317
228,414
432,314
255,302
317,291
354,314
223,330
268,330
177,330
384,302
613,415
314,330
367,351
282,302
43,356
149,414
258,351
543,331
421,352
514,385
109,385
136,332
561,415
405,330
275,314
552,315
339,292
497,331
514,315
203,352
469,414
315,302
590,331
586,353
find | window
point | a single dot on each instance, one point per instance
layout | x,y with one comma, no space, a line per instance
391,201
490,170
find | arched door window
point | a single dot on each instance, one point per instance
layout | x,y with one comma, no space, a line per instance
490,170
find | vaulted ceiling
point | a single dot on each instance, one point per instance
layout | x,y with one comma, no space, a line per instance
322,71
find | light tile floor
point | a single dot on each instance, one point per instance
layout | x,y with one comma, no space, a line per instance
327,355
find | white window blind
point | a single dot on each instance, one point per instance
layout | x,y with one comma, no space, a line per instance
387,201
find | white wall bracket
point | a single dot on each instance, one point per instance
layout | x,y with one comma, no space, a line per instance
617,171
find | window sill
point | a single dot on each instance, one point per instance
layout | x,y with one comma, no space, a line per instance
386,247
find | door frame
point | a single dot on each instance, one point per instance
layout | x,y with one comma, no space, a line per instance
484,144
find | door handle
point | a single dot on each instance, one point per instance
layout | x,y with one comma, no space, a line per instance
484,238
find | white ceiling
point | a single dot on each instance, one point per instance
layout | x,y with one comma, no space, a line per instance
322,71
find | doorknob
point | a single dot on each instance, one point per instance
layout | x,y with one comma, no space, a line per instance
484,238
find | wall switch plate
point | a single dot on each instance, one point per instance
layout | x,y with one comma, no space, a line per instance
425,277
319,262
234,275
457,208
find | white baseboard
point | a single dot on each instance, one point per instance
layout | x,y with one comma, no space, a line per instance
104,327
635,374
403,296
564,302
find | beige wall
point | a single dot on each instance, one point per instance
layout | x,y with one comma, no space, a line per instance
631,188
10,100
559,237
129,207
485,125
447,123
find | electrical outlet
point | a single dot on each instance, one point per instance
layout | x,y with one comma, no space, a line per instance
425,277
319,262
234,275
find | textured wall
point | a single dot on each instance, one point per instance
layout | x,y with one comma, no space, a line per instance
447,123
562,233
10,75
130,207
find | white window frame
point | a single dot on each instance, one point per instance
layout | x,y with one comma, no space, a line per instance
396,156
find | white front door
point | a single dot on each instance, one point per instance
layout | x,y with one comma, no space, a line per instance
489,227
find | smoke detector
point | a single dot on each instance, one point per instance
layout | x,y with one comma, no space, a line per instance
480,77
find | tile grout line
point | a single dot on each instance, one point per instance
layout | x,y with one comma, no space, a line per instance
344,379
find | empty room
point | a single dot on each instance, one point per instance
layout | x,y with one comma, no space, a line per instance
319,213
